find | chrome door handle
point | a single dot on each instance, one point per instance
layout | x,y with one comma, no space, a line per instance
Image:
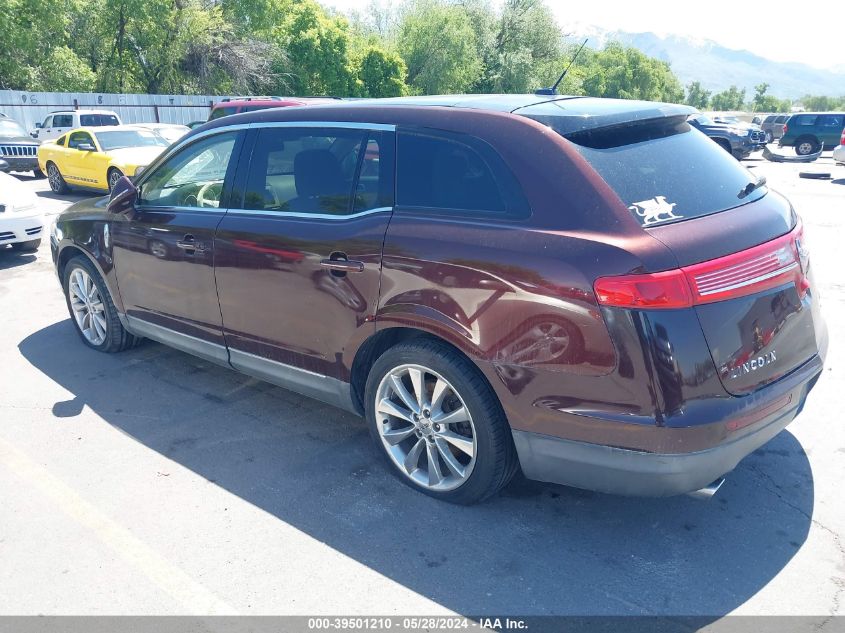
190,244
343,265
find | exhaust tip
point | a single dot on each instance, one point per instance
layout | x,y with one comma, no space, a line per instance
708,491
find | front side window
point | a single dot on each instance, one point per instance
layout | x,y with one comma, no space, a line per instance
455,173
79,138
63,120
98,120
806,120
193,177
316,171
48,122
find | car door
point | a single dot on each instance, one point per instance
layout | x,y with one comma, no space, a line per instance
82,166
830,130
60,124
298,264
164,250
41,131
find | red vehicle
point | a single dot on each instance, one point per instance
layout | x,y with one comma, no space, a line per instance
228,106
588,289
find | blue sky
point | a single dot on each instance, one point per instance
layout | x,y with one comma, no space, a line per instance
777,30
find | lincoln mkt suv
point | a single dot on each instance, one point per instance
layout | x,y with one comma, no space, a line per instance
590,290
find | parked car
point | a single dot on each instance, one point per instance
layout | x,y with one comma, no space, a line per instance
807,131
494,282
839,150
96,158
17,147
169,131
228,106
21,222
738,139
772,126
57,123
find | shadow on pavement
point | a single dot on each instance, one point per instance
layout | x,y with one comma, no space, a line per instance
535,549
12,259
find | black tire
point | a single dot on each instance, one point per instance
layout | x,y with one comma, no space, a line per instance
27,247
495,457
769,137
56,180
117,338
38,173
113,176
806,145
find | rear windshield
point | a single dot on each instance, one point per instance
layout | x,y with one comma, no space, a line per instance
666,170
96,120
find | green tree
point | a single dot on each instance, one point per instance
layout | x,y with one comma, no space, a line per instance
318,50
381,73
821,103
438,44
730,99
697,97
624,72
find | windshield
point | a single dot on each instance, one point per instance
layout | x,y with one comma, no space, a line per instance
666,170
119,139
11,128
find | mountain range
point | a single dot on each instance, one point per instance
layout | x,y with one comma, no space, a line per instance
718,67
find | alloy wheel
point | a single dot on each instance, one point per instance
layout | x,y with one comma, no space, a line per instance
114,176
425,427
805,148
54,178
87,307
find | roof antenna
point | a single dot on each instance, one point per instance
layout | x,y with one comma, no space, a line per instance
553,89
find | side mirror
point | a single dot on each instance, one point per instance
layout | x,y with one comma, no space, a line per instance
4,166
86,147
124,194
39,125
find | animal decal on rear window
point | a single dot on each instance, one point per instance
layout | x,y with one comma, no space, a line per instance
655,210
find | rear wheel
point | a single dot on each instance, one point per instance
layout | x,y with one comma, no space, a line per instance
806,145
769,137
91,308
438,423
54,177
26,247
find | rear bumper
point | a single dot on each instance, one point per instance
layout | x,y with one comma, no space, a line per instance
839,154
639,473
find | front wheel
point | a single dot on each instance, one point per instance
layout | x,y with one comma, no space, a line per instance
91,308
438,423
54,177
113,176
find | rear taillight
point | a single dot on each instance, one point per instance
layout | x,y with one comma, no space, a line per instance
781,261
842,138
784,129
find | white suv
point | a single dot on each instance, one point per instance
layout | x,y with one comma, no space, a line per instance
57,123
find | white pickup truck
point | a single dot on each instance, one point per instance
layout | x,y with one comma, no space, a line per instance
57,123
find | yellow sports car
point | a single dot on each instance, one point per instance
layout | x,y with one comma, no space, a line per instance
96,158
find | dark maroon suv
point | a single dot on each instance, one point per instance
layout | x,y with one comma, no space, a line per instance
588,289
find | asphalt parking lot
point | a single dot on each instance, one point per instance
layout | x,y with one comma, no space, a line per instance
152,482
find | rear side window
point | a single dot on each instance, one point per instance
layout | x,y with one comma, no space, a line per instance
61,141
781,119
455,174
216,113
666,170
832,120
97,120
316,171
